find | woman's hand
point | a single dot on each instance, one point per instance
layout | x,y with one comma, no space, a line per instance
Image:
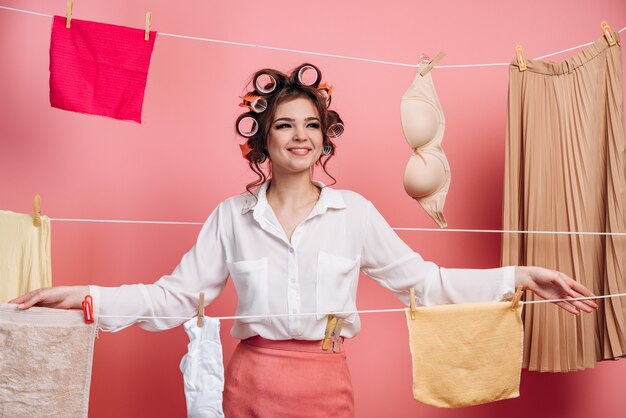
62,297
550,284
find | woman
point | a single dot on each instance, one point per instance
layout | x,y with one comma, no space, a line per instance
294,246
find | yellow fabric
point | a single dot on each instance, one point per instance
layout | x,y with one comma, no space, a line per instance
465,354
24,254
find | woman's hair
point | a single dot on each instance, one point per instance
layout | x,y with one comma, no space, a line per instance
283,88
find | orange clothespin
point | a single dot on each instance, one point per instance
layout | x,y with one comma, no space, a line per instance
201,309
327,90
517,298
146,36
521,59
88,309
331,323
412,295
37,211
253,102
432,63
245,149
608,33
68,14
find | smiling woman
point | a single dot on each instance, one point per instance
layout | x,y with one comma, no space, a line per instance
283,96
294,249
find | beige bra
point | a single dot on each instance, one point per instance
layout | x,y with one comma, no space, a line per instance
427,174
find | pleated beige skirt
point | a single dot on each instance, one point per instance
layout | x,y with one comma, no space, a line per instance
565,171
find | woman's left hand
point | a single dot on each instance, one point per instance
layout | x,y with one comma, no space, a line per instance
550,284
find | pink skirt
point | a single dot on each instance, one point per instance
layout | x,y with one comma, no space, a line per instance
285,379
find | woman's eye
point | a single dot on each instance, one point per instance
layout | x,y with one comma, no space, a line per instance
282,126
314,125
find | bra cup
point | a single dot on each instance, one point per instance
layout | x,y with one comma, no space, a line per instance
421,121
424,175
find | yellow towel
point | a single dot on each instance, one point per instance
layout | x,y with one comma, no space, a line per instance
466,354
24,254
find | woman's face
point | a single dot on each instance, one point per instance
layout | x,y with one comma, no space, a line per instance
295,140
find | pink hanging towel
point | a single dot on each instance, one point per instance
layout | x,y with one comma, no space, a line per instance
99,69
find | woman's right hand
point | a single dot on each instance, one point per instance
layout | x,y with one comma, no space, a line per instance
61,297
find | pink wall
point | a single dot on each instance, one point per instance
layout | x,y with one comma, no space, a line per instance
184,159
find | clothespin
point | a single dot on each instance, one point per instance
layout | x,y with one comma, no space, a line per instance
517,298
432,63
331,323
412,295
608,33
146,36
521,60
37,211
88,309
253,102
68,14
337,335
201,309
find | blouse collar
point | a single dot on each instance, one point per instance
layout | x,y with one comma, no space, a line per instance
329,199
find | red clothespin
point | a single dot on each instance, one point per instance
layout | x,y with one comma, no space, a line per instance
88,309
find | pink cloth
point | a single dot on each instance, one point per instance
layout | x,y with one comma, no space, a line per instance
98,68
287,379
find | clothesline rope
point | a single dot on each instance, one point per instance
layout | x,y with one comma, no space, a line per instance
121,221
222,318
323,54
350,58
492,231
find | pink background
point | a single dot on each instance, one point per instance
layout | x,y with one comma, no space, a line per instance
184,159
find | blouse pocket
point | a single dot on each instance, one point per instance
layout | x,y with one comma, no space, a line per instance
250,279
336,276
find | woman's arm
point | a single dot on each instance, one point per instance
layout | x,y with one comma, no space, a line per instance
388,260
61,297
202,269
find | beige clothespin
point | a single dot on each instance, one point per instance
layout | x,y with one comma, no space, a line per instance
37,211
608,33
331,323
337,335
432,63
412,295
148,23
201,309
68,14
521,59
517,298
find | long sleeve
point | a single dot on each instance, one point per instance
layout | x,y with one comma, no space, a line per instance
391,262
202,269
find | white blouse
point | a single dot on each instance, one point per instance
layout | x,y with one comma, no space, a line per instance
317,272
